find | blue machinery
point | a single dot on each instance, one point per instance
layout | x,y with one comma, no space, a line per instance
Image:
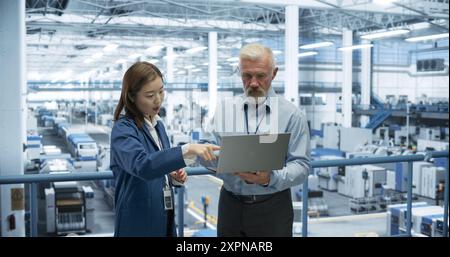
34,179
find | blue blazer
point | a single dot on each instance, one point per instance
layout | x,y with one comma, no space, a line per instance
139,168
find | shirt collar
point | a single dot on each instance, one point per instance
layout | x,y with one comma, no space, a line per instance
152,123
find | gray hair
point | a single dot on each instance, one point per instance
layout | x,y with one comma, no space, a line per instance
256,51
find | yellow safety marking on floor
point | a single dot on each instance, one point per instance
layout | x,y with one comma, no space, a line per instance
348,218
211,218
366,234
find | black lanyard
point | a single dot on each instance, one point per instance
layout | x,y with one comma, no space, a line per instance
246,117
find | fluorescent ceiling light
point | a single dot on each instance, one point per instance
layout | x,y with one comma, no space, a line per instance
429,37
181,72
383,34
251,40
67,72
277,52
274,2
121,61
311,53
34,76
419,26
88,60
234,64
383,2
171,57
134,56
233,59
205,63
97,55
154,49
189,67
60,75
110,47
153,61
317,45
83,76
354,47
196,49
195,70
237,45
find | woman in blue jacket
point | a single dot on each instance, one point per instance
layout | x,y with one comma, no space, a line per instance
145,167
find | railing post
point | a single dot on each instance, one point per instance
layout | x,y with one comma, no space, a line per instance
305,206
180,195
33,210
409,199
446,200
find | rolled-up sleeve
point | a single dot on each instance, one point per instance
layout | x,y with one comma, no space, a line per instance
298,158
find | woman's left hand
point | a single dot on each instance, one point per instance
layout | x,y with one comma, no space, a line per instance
179,175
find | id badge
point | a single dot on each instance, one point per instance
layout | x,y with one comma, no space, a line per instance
168,204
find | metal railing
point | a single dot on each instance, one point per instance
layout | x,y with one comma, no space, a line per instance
193,171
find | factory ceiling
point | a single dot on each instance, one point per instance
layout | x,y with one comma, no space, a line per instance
66,39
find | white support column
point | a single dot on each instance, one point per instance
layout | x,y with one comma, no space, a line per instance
291,54
366,81
212,73
347,78
169,56
13,113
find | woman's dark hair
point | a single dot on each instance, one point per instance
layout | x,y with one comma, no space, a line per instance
134,79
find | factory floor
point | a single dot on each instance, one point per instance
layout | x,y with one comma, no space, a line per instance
363,225
340,221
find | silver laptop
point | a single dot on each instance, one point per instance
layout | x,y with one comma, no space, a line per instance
250,153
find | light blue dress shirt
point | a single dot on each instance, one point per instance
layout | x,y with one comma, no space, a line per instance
281,117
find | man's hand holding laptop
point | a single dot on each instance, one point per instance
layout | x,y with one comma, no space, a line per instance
258,177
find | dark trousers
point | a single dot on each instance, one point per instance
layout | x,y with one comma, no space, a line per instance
270,217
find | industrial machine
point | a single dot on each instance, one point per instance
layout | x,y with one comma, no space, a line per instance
401,134
328,176
105,119
395,218
56,165
417,176
364,205
48,150
34,146
433,225
82,146
180,139
346,139
431,178
69,208
382,134
424,145
400,177
364,181
438,227
85,151
430,134
419,213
